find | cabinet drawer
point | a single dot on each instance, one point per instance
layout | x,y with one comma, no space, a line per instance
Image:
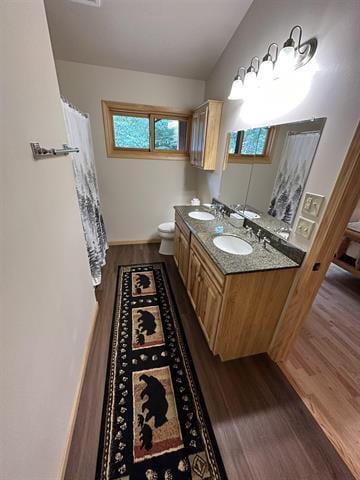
214,273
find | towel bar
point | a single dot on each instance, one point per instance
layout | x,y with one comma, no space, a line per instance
40,152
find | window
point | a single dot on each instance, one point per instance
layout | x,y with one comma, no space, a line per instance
141,131
251,145
131,132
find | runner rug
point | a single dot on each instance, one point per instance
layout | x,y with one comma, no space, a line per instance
155,425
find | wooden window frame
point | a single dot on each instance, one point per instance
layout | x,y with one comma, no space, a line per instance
263,158
151,112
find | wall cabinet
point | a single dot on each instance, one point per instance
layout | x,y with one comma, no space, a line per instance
205,134
238,313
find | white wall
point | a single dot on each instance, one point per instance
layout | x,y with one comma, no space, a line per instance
136,195
47,296
333,91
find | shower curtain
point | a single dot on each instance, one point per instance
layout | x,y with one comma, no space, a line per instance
295,162
79,135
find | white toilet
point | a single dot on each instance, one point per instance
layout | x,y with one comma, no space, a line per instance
166,232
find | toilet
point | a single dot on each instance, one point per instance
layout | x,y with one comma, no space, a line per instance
166,232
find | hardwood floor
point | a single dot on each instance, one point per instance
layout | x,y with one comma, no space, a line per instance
324,365
263,429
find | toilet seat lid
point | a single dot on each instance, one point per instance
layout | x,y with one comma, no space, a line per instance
167,227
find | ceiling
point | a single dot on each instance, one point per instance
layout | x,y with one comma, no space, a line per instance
173,37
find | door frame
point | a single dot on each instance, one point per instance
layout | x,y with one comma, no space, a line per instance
342,203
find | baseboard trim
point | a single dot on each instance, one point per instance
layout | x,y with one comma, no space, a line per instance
76,402
134,242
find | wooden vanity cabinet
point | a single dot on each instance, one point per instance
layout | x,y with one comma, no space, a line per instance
205,297
181,248
205,129
238,313
250,311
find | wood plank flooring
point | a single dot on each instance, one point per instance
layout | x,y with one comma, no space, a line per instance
324,365
263,429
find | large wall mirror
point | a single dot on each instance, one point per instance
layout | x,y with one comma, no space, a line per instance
265,171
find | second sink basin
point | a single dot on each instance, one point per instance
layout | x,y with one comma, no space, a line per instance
249,214
201,215
232,244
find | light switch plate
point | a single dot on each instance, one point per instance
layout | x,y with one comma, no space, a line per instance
312,205
305,227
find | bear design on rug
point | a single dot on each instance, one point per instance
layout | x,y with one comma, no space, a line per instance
142,282
146,322
145,434
140,337
156,404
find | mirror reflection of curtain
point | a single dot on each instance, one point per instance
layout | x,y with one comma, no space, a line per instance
295,162
79,135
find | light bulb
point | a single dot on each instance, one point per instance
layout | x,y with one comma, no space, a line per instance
250,80
237,89
266,72
286,62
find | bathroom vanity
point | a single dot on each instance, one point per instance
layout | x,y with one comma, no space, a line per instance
238,298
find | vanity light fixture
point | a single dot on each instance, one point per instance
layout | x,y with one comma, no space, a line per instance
237,87
266,70
287,56
274,66
250,80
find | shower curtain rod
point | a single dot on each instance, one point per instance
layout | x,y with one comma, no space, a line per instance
304,132
73,107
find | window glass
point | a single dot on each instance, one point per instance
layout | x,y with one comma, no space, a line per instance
232,142
131,132
254,141
170,134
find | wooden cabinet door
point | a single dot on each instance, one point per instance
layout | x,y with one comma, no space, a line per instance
204,296
183,260
177,245
194,137
193,282
203,113
208,306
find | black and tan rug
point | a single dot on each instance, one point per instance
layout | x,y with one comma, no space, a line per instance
155,425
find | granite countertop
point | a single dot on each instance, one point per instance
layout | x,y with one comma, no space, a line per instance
268,222
259,259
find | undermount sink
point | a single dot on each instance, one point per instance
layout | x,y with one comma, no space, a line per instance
232,244
201,215
249,214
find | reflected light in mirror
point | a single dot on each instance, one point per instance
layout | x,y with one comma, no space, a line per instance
278,97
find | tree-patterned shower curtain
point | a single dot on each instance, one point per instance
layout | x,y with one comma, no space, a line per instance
79,135
295,163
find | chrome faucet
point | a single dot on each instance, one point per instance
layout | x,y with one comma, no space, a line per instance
283,232
219,211
266,241
250,232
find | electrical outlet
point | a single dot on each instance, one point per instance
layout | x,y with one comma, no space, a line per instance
312,204
305,227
